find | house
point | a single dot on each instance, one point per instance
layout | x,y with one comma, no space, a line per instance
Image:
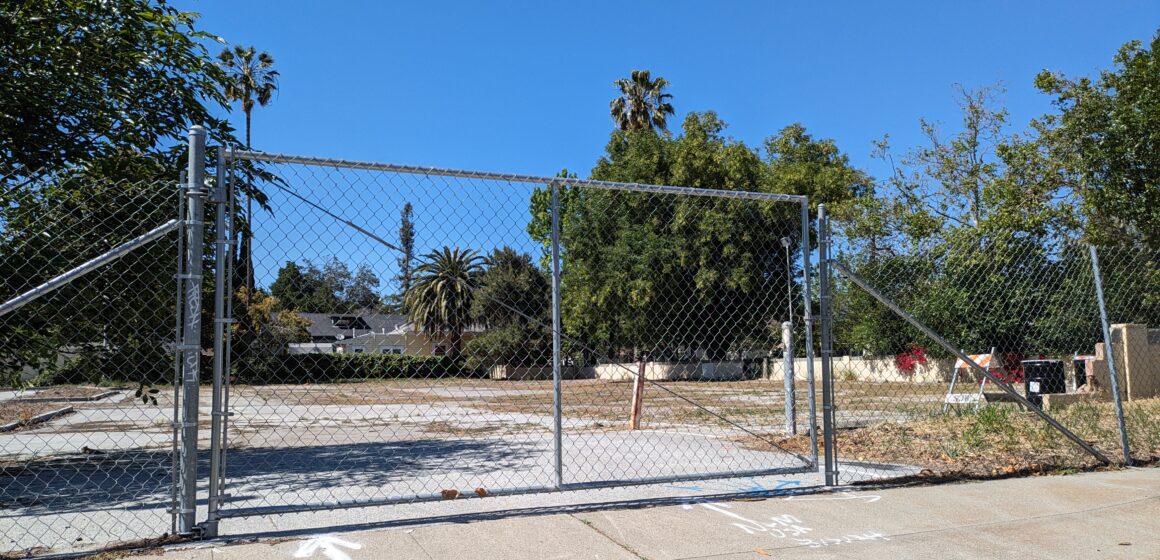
369,332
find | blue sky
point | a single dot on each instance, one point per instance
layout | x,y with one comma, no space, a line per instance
525,86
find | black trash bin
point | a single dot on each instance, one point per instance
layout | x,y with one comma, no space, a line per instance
1042,377
1080,364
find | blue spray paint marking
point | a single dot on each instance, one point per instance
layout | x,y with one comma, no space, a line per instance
752,487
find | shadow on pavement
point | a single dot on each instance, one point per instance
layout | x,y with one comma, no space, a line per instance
140,479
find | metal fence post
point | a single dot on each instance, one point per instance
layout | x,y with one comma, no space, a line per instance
808,320
179,289
1111,356
221,246
557,403
831,460
191,335
788,373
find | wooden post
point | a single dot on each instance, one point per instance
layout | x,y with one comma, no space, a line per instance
637,397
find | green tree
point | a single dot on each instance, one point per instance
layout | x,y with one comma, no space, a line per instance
291,287
1106,132
251,79
406,260
83,80
442,295
684,276
512,300
973,234
263,331
362,293
329,289
642,103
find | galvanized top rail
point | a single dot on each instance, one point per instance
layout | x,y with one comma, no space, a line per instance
513,177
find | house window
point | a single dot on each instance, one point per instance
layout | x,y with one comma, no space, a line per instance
391,350
357,349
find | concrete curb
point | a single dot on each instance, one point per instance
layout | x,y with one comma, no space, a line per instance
39,418
97,397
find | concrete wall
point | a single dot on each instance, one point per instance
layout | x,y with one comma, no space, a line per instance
531,373
1137,357
666,371
861,369
858,368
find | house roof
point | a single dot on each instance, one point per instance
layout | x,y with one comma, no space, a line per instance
330,325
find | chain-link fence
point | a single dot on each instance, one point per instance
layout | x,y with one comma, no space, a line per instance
1130,282
979,351
87,320
395,340
375,334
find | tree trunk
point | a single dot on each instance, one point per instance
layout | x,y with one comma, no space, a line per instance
456,341
249,257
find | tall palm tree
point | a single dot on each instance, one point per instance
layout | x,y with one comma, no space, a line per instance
252,79
442,291
642,103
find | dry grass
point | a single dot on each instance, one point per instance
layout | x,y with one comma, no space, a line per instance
18,411
998,440
443,427
751,403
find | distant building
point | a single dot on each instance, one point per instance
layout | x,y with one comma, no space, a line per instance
368,332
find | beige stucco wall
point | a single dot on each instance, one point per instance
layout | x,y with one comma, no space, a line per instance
412,343
1137,359
875,370
666,371
529,373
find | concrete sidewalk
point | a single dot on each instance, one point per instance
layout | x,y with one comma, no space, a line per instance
1095,515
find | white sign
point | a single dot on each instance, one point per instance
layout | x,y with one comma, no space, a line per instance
962,398
1033,386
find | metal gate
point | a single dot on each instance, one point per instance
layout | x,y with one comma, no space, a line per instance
405,334
88,320
984,353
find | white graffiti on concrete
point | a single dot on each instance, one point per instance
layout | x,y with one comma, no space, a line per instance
329,545
785,526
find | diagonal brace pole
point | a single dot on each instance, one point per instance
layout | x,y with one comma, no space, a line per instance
967,360
87,267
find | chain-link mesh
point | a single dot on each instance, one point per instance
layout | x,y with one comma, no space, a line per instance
1131,286
1021,304
394,336
86,406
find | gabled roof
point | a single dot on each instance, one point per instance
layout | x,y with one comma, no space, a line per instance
330,325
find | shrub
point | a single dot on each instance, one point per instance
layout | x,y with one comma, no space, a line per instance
131,362
908,360
328,368
513,345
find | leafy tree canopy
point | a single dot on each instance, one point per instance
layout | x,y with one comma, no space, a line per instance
1108,133
331,288
82,80
683,276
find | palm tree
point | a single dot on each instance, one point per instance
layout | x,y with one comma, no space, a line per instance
442,291
642,104
251,79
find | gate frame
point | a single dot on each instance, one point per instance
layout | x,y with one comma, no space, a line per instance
897,310
229,157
